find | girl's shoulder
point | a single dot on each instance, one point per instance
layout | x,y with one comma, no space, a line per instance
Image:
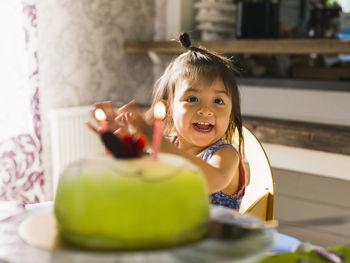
209,151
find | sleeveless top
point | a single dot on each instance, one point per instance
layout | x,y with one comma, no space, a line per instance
220,198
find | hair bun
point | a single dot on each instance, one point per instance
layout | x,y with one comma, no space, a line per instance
185,40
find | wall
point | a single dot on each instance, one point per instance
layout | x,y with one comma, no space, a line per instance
81,57
308,104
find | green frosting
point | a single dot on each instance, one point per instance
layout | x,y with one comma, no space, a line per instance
132,204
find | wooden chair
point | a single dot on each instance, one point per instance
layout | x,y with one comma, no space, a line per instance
259,193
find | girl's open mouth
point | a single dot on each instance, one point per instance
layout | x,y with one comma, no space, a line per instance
202,126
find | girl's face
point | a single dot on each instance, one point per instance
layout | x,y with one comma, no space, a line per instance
201,113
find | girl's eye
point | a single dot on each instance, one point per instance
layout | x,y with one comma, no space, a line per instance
192,99
219,101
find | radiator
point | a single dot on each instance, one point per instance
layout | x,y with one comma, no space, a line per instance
71,139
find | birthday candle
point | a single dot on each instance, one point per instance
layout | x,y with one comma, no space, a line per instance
100,115
159,114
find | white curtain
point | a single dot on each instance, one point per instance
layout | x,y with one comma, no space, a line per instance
21,169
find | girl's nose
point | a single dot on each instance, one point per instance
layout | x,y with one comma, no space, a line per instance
205,111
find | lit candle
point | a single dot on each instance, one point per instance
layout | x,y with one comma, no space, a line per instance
100,115
159,114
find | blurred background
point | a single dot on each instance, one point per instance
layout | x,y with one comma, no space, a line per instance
59,57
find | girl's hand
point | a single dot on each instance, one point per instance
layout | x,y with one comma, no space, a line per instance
116,124
135,118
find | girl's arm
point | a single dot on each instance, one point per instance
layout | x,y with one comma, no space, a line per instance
220,171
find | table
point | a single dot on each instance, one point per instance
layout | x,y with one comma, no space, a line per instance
246,248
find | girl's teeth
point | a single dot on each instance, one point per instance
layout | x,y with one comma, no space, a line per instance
204,126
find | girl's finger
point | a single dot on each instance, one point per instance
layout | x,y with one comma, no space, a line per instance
92,127
121,132
108,108
120,119
98,105
132,117
131,106
128,117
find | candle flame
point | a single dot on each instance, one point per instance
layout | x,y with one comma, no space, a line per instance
159,110
100,115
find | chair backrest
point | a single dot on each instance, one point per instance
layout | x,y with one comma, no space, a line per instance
258,199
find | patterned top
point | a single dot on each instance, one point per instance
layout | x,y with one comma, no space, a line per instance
220,198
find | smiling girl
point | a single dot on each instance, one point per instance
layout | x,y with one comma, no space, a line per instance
203,113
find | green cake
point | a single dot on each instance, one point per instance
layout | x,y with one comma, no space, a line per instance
132,204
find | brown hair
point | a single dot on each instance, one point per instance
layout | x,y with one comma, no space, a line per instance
201,63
